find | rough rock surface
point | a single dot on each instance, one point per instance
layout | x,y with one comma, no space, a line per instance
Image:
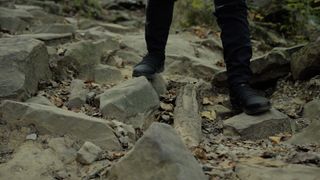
88,153
40,100
130,101
19,57
187,120
258,127
159,154
306,63
78,94
57,121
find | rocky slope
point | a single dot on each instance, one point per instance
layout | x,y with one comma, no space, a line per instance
71,110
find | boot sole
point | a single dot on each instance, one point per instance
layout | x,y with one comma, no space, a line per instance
253,111
147,75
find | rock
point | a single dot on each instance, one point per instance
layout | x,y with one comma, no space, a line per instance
309,135
52,120
78,94
32,137
97,33
14,20
49,6
63,148
24,62
306,63
40,100
50,38
102,74
266,68
30,161
312,109
129,102
187,120
85,55
258,127
88,153
57,28
159,154
122,3
221,111
159,84
115,28
288,172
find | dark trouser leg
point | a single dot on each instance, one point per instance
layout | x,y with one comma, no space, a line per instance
158,21
232,19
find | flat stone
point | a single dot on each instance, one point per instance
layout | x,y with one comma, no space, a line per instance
88,153
159,154
78,94
288,172
64,148
51,120
129,102
258,127
24,62
187,120
57,28
50,38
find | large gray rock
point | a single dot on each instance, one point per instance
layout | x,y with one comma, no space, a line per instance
288,172
14,20
57,28
51,120
159,154
312,109
23,63
187,120
129,102
85,55
309,135
266,68
78,94
306,63
258,127
50,38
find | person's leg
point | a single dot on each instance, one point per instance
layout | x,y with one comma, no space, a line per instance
158,21
235,35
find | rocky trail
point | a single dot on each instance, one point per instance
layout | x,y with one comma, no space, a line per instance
71,110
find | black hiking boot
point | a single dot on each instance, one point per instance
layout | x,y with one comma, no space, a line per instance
149,66
244,98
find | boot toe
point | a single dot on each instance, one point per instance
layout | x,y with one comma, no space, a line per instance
257,105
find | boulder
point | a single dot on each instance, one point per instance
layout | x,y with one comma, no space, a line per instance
258,127
24,62
266,68
14,20
52,120
306,63
312,109
187,120
159,84
129,102
159,154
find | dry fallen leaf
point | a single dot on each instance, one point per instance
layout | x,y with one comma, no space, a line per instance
211,115
206,101
166,107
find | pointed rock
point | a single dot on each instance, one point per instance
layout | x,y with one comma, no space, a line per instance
129,102
159,154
